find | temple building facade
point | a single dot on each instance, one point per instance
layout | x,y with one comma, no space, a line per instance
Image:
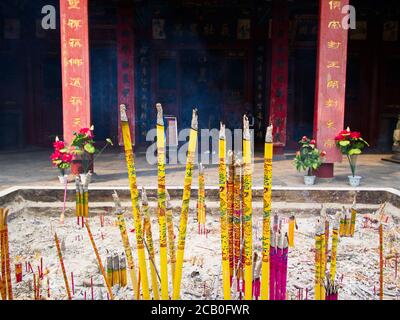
311,67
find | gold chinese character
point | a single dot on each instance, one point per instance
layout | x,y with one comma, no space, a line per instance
330,124
74,24
75,82
73,4
329,143
77,122
331,103
75,43
333,84
334,5
75,62
333,64
333,44
76,101
334,24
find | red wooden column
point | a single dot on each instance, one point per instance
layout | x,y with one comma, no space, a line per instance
279,73
75,65
126,76
330,82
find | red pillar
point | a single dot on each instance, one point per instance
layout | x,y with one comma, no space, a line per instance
279,73
75,65
126,76
330,82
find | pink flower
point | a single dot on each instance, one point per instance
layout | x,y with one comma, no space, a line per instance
304,138
56,155
340,137
323,153
86,132
66,157
297,153
312,141
59,145
355,135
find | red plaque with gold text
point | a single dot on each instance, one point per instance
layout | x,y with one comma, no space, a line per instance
75,65
331,78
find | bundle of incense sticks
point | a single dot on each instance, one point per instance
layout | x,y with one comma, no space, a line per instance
201,209
237,233
185,205
247,209
319,260
171,236
230,209
161,202
335,241
127,247
116,269
279,249
331,289
5,279
150,245
223,215
265,267
135,200
82,197
348,222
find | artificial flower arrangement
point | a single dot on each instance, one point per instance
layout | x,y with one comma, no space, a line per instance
351,144
61,157
308,159
81,150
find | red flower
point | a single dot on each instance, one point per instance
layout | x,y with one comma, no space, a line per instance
56,155
66,157
323,153
340,137
344,132
59,145
355,135
312,141
86,132
304,138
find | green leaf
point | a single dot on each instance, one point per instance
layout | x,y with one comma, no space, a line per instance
89,148
354,151
344,143
109,141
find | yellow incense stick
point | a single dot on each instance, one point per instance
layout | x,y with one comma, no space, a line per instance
230,201
126,244
6,254
266,239
135,201
335,241
223,215
161,203
171,237
149,240
292,223
318,260
353,221
247,208
201,198
185,206
236,218
62,266
99,260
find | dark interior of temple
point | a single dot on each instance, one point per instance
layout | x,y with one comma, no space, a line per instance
211,54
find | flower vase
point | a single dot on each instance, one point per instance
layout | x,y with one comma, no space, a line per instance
63,179
354,181
309,180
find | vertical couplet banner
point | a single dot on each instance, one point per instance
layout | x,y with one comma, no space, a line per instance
125,44
75,66
331,77
279,70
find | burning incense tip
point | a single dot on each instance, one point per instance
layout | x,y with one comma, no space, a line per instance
194,124
122,110
160,120
268,134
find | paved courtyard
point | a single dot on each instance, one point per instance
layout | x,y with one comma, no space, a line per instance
34,169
